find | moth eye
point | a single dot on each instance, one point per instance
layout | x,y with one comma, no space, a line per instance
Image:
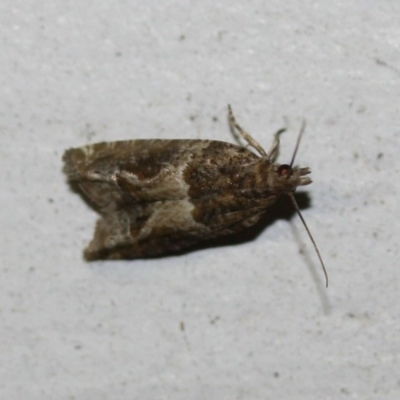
285,170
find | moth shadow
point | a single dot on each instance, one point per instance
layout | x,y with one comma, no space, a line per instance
282,209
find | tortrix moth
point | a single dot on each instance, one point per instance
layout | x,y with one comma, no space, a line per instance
161,196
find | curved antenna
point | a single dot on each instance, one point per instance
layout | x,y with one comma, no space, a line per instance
303,127
310,236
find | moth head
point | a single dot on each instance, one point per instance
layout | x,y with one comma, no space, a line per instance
288,177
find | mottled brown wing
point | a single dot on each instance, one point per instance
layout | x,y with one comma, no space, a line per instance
116,174
118,237
161,196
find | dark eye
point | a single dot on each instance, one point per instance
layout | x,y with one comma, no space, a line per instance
285,170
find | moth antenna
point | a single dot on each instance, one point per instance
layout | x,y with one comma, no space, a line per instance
310,236
302,129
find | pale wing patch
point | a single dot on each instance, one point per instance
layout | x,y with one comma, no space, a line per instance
174,215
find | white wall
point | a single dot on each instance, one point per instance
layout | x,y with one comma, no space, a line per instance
258,322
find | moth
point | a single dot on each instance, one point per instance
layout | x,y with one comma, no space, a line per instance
161,196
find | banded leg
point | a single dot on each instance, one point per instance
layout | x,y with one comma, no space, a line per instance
246,136
273,152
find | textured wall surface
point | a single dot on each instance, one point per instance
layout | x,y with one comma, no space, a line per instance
243,321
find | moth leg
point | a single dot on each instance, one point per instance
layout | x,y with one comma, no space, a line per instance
246,136
273,152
